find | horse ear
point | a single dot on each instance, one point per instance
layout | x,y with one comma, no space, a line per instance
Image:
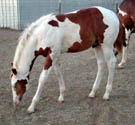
14,71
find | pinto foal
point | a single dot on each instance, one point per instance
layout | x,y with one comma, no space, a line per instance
53,35
126,14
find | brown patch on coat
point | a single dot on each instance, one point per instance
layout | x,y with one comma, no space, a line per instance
120,41
46,53
43,52
61,17
48,62
53,23
20,87
89,20
128,20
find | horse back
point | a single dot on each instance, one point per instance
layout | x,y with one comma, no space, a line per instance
85,28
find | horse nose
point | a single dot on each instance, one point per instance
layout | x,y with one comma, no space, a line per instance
16,103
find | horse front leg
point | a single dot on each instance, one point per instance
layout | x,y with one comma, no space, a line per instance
61,82
43,77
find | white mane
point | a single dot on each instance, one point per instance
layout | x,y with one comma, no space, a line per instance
26,34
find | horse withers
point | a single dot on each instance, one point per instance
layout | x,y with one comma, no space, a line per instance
126,14
53,35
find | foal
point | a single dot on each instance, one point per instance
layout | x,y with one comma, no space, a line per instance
53,35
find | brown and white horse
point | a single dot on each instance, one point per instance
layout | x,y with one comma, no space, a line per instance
126,14
53,35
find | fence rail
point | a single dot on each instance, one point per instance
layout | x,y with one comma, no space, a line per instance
17,14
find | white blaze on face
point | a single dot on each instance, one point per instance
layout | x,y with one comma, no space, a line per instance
121,12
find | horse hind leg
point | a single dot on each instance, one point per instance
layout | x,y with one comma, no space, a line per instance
61,82
101,65
125,50
124,58
111,62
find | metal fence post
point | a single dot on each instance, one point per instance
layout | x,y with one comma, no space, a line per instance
59,6
116,3
18,14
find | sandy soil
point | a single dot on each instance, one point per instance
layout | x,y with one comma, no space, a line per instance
79,71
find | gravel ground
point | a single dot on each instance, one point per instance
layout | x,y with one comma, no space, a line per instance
79,71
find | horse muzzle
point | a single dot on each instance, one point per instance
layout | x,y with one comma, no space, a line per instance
16,104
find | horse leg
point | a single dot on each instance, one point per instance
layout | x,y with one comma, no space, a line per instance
43,77
111,62
125,48
61,82
101,64
124,58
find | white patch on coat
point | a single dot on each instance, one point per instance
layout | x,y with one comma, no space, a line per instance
128,33
63,37
70,33
121,12
111,20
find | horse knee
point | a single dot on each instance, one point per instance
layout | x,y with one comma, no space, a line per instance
101,65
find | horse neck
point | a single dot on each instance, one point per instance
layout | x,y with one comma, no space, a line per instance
27,58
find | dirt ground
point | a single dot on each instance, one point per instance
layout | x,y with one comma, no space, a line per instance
79,71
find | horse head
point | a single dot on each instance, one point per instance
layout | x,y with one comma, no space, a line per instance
19,84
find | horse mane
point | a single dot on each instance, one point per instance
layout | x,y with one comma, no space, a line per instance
23,39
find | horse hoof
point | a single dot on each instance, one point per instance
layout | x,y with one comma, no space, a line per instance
30,112
60,101
92,96
105,99
120,67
